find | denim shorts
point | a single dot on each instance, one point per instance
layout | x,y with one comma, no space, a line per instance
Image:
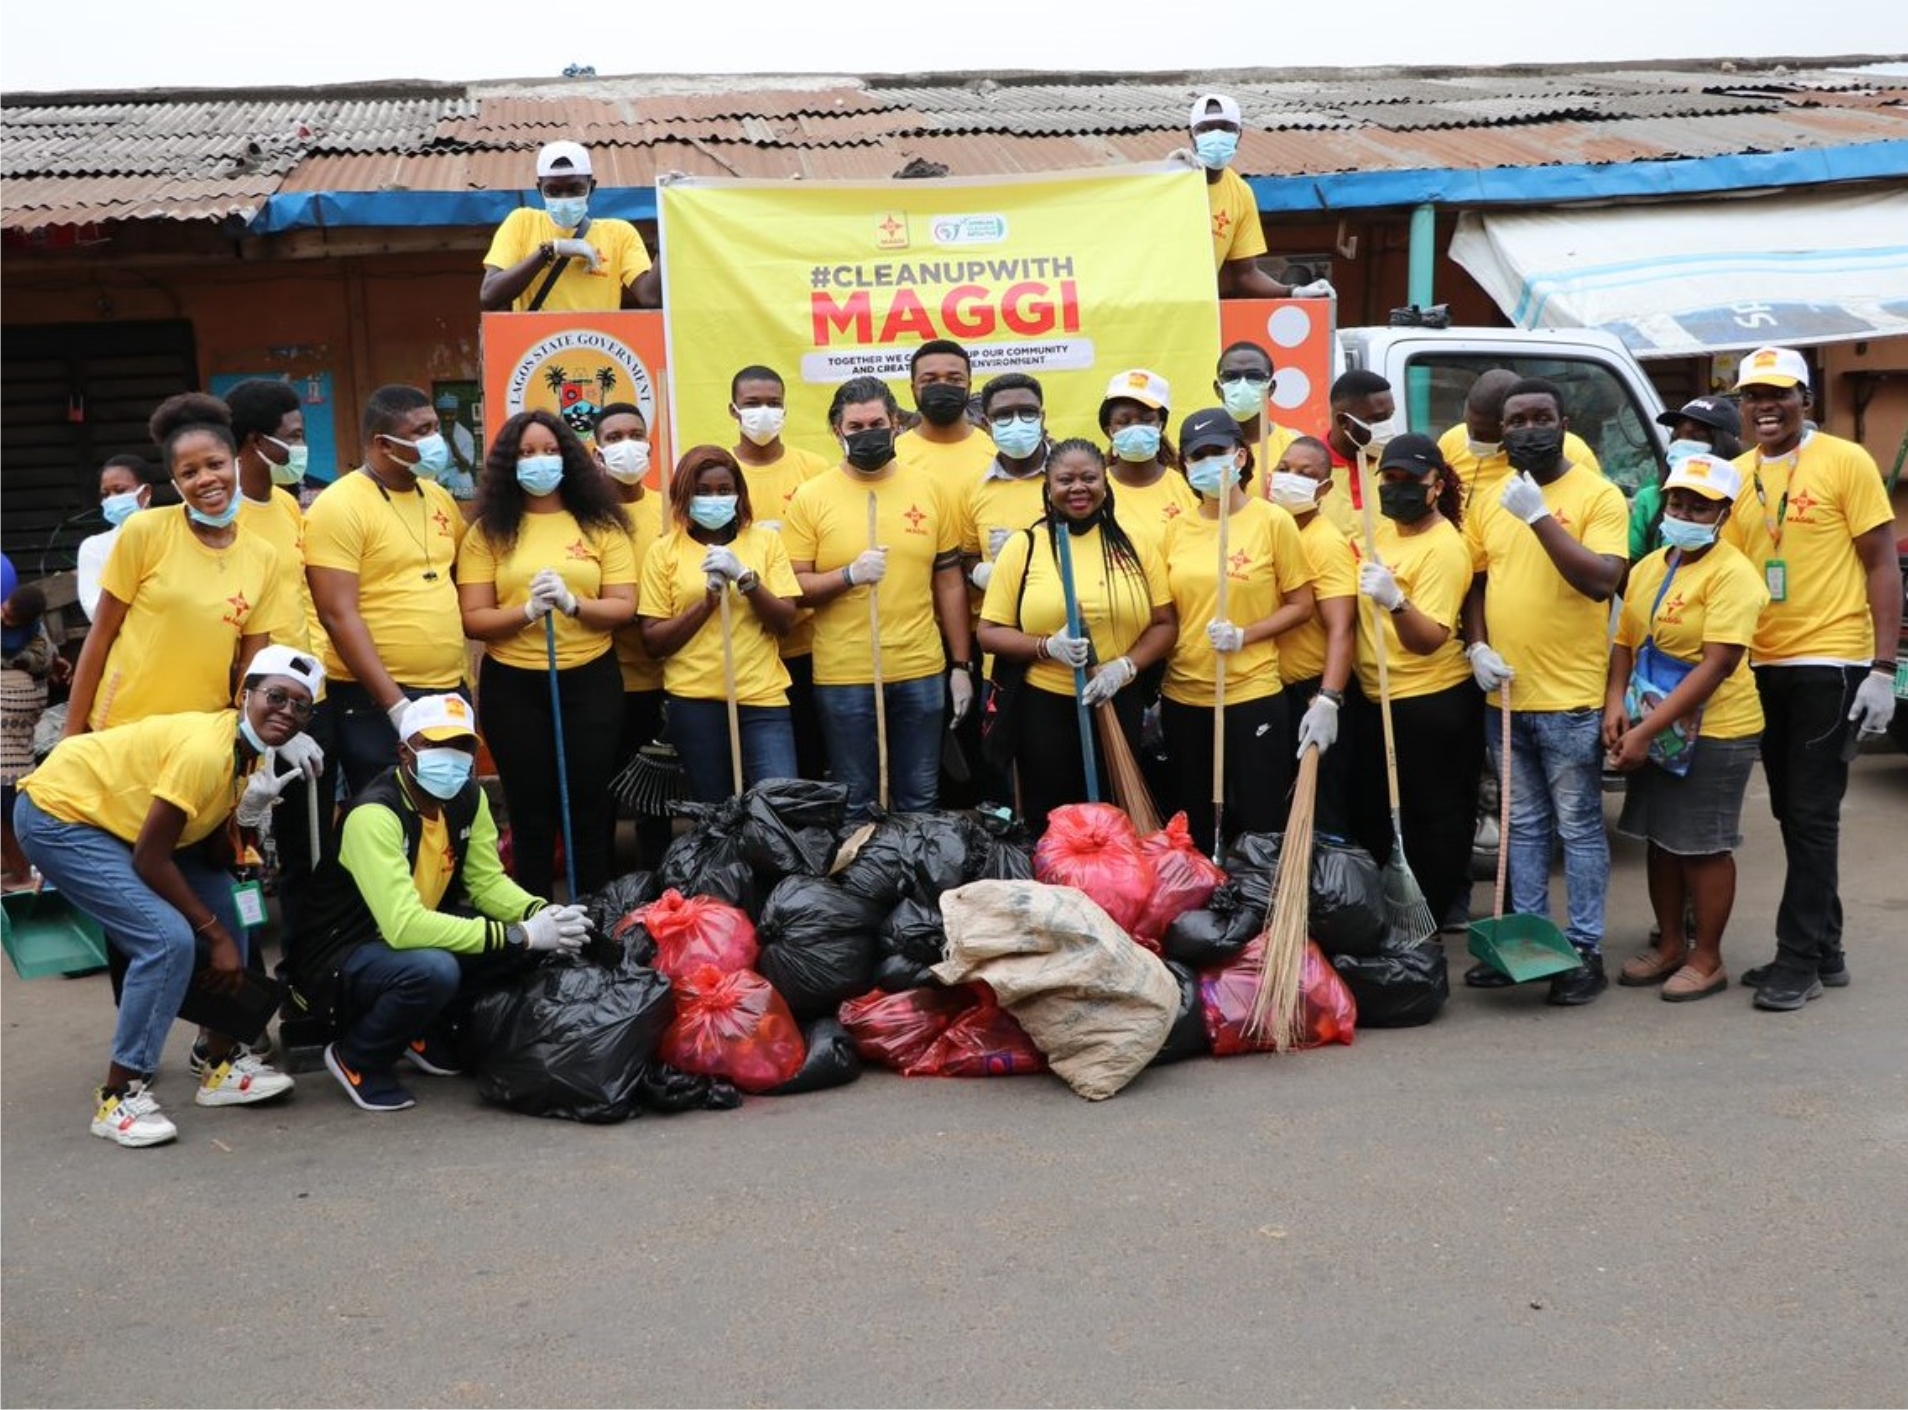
1699,814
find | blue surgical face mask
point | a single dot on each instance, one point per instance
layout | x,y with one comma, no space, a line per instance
220,520
1242,398
297,457
566,212
1682,533
442,773
1215,147
1018,439
712,511
1212,472
1136,443
118,508
540,474
250,735
1681,450
433,454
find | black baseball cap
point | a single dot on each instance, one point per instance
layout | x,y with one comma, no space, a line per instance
1204,430
1414,453
1717,413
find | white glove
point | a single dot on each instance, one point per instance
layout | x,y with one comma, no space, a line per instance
716,584
1874,704
302,751
980,575
1319,727
1109,680
1491,671
396,714
1375,581
960,694
1524,497
723,560
548,584
774,526
578,249
562,928
537,606
1317,289
262,790
997,540
1225,637
869,568
1068,650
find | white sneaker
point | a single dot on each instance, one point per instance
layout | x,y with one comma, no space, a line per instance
241,1078
132,1117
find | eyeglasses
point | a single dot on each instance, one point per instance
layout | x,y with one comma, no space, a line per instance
1257,379
1007,418
276,699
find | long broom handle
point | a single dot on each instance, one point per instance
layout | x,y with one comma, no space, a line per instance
317,842
1378,633
874,646
562,762
728,690
1503,804
1224,503
1064,541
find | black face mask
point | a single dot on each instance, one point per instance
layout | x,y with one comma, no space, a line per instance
870,450
942,403
1403,500
1534,448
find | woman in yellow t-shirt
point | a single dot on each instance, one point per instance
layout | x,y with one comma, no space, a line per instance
715,547
1416,589
549,542
1697,601
187,596
1142,464
1268,592
1126,612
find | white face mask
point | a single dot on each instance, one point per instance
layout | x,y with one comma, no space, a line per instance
1381,432
1483,450
626,461
1294,492
761,424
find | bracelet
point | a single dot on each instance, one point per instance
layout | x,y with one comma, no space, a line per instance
1882,666
848,574
210,921
960,665
1040,649
1337,697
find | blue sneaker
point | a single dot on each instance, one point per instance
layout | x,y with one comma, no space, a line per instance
372,1091
433,1055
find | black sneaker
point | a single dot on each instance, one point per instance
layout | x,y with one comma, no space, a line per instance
1483,976
1576,987
372,1091
1786,990
433,1055
1836,978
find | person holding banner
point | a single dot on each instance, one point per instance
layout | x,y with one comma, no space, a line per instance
1133,416
560,258
1244,382
946,443
1268,591
1011,492
875,546
716,546
758,401
1237,238
550,541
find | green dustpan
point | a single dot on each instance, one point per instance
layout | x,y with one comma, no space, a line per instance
44,933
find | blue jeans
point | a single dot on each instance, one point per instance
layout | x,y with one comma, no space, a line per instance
94,870
916,716
699,729
1557,793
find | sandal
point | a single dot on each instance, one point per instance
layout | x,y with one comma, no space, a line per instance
1649,967
1689,984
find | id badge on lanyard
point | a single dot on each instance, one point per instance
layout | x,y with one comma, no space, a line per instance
1775,569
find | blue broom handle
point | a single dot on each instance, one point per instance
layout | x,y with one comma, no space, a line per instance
562,762
1064,538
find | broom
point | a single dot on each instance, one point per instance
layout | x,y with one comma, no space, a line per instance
1219,689
1277,1004
1063,541
1130,793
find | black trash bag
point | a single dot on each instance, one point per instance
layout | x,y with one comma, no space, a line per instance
912,940
789,826
1347,912
1216,933
916,855
1252,861
609,907
1400,986
1008,851
818,944
668,1090
831,1062
708,860
1187,1037
570,1039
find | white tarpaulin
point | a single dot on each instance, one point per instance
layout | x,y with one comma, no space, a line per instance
1685,278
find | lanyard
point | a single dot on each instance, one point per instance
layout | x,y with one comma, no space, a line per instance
1794,461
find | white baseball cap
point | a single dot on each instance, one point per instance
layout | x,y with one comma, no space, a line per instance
562,159
1214,105
1146,388
1774,367
1710,476
300,666
440,718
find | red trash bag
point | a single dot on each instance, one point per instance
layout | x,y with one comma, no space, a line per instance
1184,880
691,931
1328,1014
1093,848
734,1026
985,1041
895,1030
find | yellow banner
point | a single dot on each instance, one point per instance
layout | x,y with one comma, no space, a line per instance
1068,277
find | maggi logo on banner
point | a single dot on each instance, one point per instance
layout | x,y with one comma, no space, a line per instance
966,311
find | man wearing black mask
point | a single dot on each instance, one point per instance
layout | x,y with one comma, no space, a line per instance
947,445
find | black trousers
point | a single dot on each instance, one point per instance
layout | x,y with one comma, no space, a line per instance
642,723
1331,812
1049,762
1439,759
1259,764
811,752
514,711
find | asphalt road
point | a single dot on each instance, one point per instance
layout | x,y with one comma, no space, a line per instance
1630,1204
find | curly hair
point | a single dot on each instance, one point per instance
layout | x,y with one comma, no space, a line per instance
186,413
584,490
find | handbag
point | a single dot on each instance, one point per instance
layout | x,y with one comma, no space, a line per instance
1653,676
1007,685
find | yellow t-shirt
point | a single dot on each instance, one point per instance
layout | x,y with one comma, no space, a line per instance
587,560
1554,638
187,608
109,779
958,463
1433,567
1235,226
993,508
1485,478
1334,574
1266,564
827,526
1835,495
1718,598
577,290
402,548
1115,610
645,527
436,863
281,522
673,582
1146,513
771,487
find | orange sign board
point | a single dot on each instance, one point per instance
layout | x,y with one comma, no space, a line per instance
1298,333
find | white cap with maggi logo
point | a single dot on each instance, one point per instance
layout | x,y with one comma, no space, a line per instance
1773,367
1710,476
1147,388
439,718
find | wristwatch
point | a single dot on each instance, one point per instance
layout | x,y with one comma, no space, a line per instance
748,582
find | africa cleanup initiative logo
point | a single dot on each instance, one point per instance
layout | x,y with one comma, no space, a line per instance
576,373
989,229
